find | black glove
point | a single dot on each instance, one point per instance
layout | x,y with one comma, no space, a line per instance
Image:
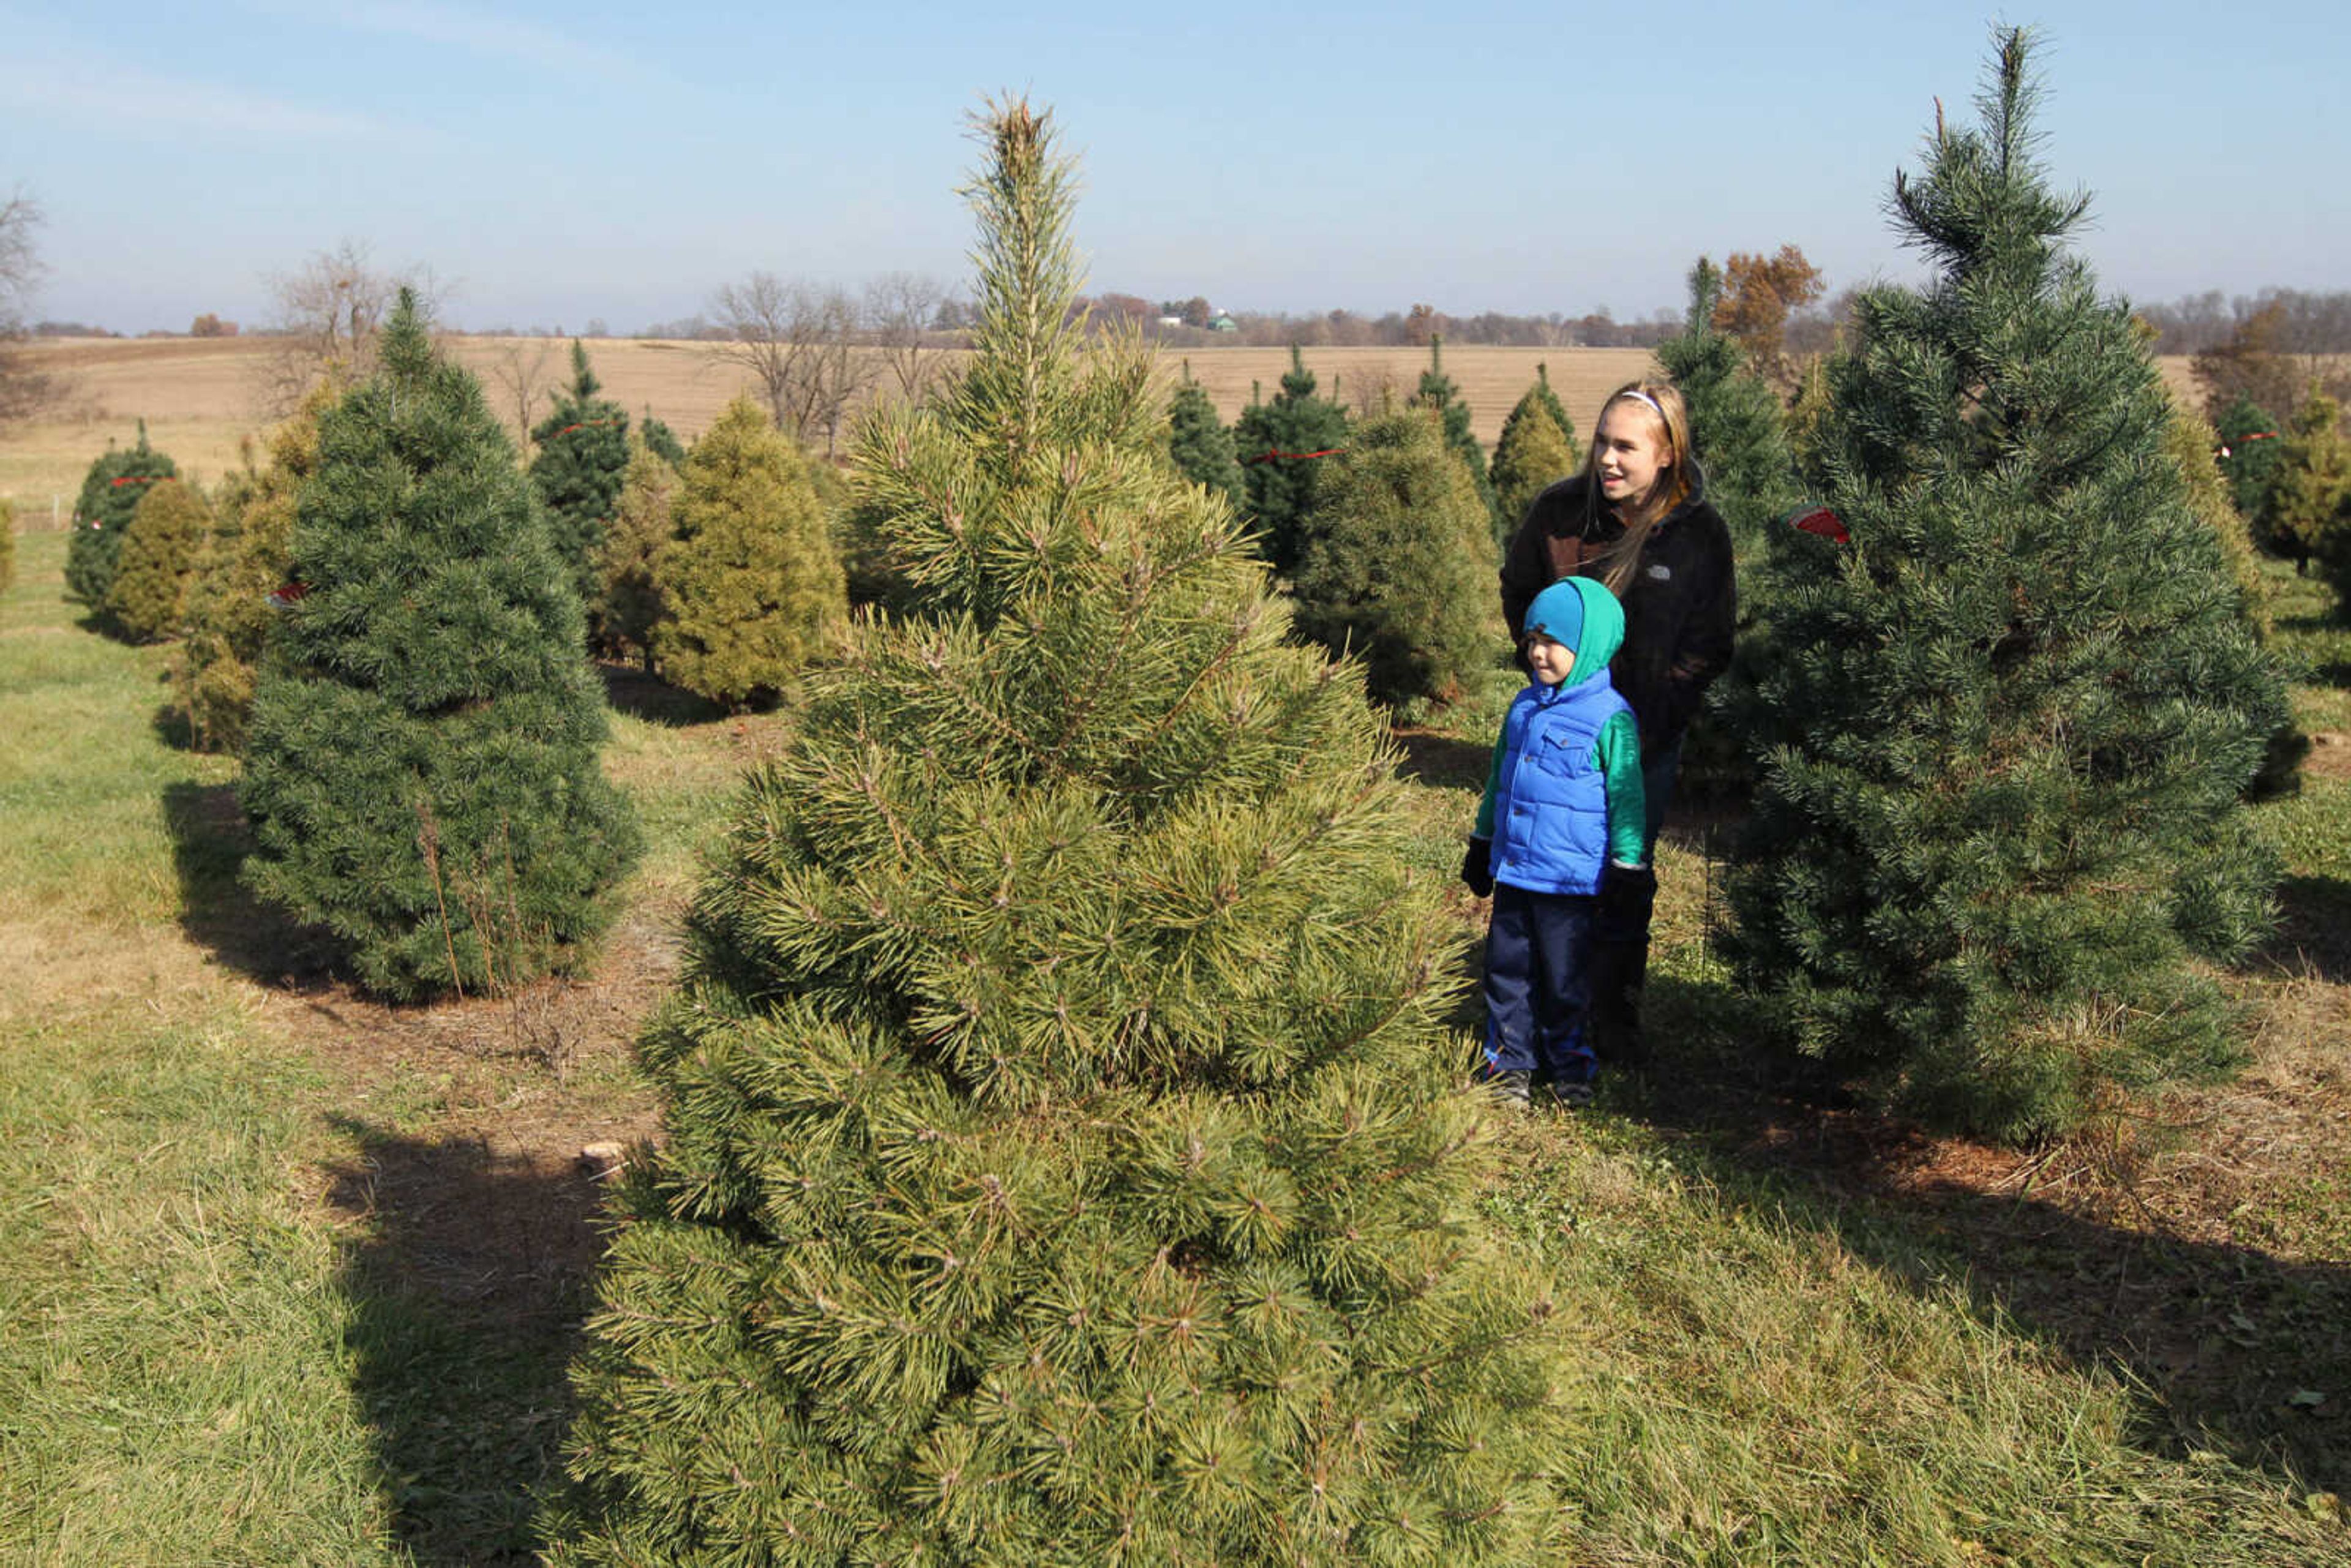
1477,868
1627,893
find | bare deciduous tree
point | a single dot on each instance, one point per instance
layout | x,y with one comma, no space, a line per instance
524,370
327,313
798,340
899,308
23,388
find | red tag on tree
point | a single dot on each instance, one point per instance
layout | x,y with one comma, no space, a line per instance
1821,521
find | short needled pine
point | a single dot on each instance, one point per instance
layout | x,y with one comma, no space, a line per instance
2008,723
1063,1162
422,773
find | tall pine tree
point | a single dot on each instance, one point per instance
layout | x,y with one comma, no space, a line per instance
583,450
422,775
2012,716
1276,442
102,514
1063,1161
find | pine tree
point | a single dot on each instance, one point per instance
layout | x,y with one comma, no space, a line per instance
102,514
1438,391
1737,429
1062,1162
423,774
1532,453
1276,442
148,599
753,582
1552,406
1397,565
662,440
583,449
1199,443
2012,717
2247,444
629,599
235,598
2310,483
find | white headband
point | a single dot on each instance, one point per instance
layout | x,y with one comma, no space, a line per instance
1644,397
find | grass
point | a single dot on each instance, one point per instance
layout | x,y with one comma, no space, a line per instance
287,1277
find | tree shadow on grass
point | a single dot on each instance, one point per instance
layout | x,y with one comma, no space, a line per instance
2314,930
1443,762
210,840
468,1269
2240,1351
631,691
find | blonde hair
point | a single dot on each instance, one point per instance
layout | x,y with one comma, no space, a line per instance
1662,403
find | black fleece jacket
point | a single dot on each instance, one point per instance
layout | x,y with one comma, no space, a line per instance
1679,609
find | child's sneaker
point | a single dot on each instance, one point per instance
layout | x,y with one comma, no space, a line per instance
1512,1086
1568,1096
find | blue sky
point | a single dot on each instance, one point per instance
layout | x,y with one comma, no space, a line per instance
555,163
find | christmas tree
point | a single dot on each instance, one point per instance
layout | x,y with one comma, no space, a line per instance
2309,483
1398,565
2247,450
149,599
1064,1164
1280,443
753,579
240,580
662,440
1737,431
1533,453
1199,443
2010,717
102,514
629,602
583,449
1438,391
423,774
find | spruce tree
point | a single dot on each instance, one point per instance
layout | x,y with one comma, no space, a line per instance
1552,406
1438,391
148,599
2012,716
2247,449
237,594
753,580
422,775
102,514
1199,443
629,600
1738,432
1532,453
583,449
1275,441
1398,563
2310,483
1064,1164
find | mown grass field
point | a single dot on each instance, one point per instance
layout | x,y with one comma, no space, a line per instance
289,1277
199,397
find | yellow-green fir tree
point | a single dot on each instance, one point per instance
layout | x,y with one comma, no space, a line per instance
753,582
628,600
1533,453
148,599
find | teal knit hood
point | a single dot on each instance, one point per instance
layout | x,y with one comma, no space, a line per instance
1580,614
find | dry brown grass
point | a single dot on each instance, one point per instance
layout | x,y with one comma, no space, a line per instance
199,397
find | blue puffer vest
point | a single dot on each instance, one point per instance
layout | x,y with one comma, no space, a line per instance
1550,813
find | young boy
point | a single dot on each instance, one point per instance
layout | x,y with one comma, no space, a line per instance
1564,810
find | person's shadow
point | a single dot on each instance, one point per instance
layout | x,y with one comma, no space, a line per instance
468,1270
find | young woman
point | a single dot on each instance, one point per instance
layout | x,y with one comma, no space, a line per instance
1636,518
